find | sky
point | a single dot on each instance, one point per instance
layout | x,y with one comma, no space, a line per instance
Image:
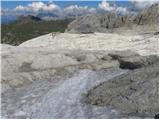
71,8
62,4
13,4
58,7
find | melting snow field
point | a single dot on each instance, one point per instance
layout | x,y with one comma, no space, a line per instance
65,100
59,97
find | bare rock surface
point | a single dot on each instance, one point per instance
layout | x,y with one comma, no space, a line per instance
45,56
110,22
58,97
131,60
144,44
136,92
49,74
28,66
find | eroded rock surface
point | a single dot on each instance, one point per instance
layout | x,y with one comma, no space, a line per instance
43,76
28,66
110,22
131,60
143,44
135,92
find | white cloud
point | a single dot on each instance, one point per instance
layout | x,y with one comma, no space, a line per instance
142,4
19,8
105,6
78,10
35,8
38,6
121,10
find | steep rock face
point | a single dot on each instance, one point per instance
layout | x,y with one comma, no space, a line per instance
109,21
96,22
148,16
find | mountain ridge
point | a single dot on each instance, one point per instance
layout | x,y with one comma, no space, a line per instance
110,21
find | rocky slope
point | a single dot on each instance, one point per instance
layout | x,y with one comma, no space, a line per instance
145,20
134,92
53,74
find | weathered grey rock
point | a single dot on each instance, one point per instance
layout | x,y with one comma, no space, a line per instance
123,54
95,23
135,92
156,116
110,21
48,75
29,66
137,61
148,16
132,60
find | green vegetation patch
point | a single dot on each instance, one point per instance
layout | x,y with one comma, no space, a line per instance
18,32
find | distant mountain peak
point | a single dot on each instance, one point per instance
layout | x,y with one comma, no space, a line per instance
108,21
28,18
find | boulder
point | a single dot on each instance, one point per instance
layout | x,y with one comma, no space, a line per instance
132,60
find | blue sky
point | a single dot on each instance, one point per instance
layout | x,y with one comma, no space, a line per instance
62,4
13,4
62,8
